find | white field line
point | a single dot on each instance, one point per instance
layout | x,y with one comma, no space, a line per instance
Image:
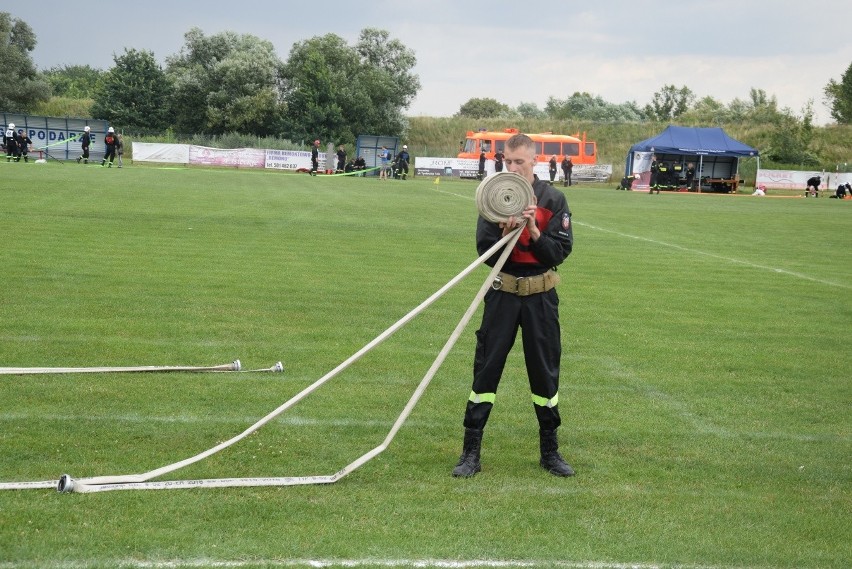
715,256
332,563
295,421
693,251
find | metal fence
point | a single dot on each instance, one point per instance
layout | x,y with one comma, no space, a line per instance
57,137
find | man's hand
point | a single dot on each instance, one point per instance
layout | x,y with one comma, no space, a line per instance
528,217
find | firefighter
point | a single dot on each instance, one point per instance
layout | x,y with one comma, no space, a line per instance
813,186
109,142
24,142
655,175
10,139
690,176
522,296
85,142
663,175
677,169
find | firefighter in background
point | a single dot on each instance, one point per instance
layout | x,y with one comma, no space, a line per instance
551,169
109,143
813,186
655,175
498,161
627,182
315,158
85,142
24,142
402,160
663,175
567,167
481,174
677,170
10,139
690,176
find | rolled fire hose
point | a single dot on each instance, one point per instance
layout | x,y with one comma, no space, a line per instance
497,197
503,195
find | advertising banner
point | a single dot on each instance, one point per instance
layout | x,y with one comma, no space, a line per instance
798,180
233,157
165,153
469,168
455,167
292,160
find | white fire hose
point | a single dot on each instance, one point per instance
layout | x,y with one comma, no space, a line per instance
497,197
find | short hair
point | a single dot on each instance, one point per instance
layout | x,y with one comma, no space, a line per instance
520,140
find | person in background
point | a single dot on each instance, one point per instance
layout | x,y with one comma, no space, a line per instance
654,180
341,160
85,142
677,169
24,142
315,158
109,142
627,182
690,176
551,169
813,186
522,297
481,173
567,167
498,161
119,147
663,175
402,160
10,139
360,165
384,156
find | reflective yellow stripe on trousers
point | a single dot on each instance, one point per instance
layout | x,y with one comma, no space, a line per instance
544,402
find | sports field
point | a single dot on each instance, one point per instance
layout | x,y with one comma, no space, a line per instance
706,381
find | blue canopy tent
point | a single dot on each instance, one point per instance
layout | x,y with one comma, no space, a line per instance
716,154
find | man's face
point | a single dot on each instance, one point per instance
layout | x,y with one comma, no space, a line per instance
520,160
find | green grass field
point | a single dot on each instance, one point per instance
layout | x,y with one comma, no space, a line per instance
705,387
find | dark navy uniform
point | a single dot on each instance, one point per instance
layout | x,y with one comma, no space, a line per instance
663,174
10,139
24,142
110,141
813,186
677,169
537,315
655,174
690,176
85,143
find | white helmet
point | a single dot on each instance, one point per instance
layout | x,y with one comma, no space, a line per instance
11,125
405,147
110,129
87,129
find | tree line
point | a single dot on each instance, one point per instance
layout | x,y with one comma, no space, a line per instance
229,83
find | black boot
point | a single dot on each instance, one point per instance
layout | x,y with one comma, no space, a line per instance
469,460
551,460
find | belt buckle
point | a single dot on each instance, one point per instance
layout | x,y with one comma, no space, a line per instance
518,285
497,284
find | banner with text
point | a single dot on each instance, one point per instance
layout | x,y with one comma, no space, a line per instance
469,168
796,180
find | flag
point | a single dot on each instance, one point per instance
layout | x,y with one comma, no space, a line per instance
437,180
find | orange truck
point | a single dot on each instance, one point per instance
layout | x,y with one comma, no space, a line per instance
547,144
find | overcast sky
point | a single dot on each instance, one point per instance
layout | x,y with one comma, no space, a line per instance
512,51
